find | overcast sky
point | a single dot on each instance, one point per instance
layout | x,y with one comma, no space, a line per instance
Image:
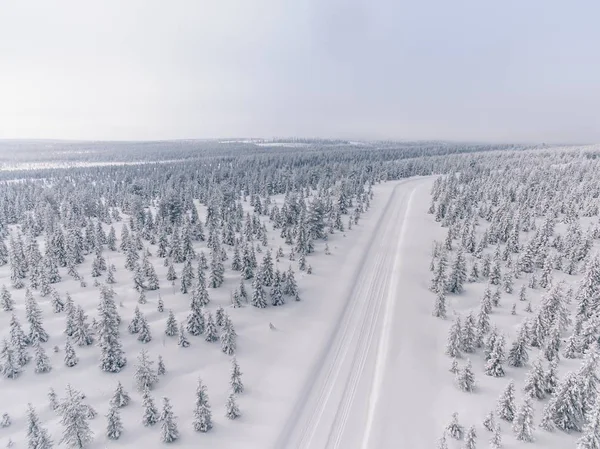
523,70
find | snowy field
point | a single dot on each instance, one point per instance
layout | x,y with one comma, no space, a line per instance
358,360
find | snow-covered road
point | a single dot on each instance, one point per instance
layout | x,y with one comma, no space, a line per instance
374,384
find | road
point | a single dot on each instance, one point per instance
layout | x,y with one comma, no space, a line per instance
365,391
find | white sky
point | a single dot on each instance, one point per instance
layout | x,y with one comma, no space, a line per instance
526,70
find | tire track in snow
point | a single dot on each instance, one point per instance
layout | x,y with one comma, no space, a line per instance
320,417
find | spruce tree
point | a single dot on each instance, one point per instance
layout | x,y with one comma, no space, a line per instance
150,416
454,339
71,358
120,398
471,439
489,422
182,340
161,370
168,426
144,335
171,328
37,436
258,294
518,355
114,426
496,440
42,361
202,412
523,422
535,381
6,300
210,331
112,357
34,317
506,404
76,432
454,429
144,375
458,273
228,337
466,378
591,432
231,407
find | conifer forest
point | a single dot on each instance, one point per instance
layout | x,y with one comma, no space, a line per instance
299,293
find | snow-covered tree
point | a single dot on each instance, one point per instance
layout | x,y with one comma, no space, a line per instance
202,412
231,407
168,426
76,432
120,398
37,436
236,377
114,425
506,408
144,375
150,416
523,422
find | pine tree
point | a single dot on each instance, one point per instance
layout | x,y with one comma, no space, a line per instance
454,339
42,362
496,440
468,336
466,378
523,422
81,334
258,294
506,404
566,407
120,397
202,413
210,331
71,358
289,286
161,370
18,341
5,421
114,426
236,378
518,355
458,273
182,340
151,415
171,329
489,422
471,439
523,293
591,432
228,337
144,375
535,381
9,362
168,426
439,307
171,274
232,410
6,300
493,366
112,357
276,291
53,399
37,436
76,432
454,429
144,335
551,377
34,317
134,324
